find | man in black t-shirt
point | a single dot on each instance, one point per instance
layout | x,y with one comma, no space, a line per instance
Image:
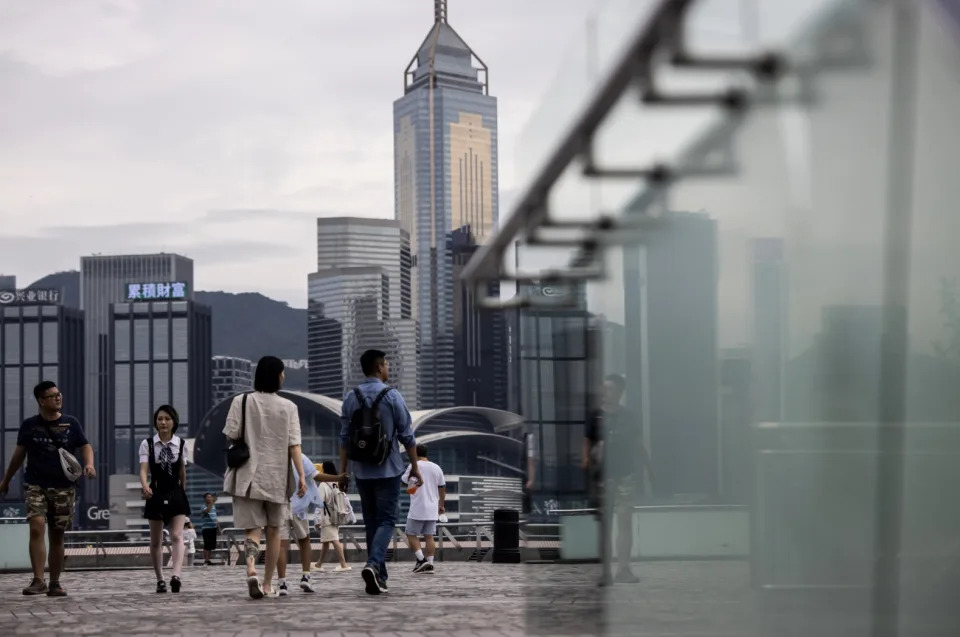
51,495
616,460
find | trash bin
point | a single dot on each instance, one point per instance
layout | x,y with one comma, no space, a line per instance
506,536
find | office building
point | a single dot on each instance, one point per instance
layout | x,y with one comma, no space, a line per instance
350,242
559,358
231,376
445,177
39,340
105,280
160,354
347,313
672,355
480,336
769,327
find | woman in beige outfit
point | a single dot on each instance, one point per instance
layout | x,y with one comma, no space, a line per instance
262,487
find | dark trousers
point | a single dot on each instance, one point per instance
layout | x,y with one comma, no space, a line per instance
380,504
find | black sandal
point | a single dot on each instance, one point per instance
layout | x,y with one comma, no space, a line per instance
175,584
161,586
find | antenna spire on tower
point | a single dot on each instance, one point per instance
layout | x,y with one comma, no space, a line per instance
440,10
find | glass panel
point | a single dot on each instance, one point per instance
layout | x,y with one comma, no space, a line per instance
142,409
51,342
161,339
161,384
51,373
122,394
31,376
125,452
12,398
11,343
141,339
179,338
31,343
121,340
181,393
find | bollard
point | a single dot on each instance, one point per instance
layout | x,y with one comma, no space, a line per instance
506,536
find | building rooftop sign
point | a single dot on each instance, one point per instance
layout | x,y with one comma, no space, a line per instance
45,296
156,291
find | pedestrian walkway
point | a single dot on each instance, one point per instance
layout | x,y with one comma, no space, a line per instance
461,599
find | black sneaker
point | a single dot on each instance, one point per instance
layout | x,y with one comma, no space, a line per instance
419,565
175,584
371,577
426,568
161,586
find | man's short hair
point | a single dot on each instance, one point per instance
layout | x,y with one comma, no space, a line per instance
618,381
370,360
421,451
42,388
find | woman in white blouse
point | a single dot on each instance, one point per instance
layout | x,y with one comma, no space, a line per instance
263,485
162,458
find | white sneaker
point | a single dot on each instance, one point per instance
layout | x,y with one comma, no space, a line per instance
282,585
319,568
305,585
342,569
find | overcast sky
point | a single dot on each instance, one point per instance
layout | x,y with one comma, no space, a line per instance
221,130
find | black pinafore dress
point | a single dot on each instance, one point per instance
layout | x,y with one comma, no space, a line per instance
169,499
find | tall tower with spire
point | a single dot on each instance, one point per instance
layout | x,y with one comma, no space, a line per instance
445,181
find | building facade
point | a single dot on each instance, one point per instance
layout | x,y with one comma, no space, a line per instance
445,177
39,340
160,354
105,280
231,376
348,313
480,336
559,360
769,327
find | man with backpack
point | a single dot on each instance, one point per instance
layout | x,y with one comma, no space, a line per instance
373,418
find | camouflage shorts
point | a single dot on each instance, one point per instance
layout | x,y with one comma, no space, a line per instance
55,504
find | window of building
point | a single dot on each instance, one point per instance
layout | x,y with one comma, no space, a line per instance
121,340
51,342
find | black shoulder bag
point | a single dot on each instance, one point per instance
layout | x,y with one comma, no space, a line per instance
238,453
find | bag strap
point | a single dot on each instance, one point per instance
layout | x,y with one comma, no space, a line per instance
360,402
243,415
383,392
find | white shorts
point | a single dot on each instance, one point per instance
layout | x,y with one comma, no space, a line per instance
295,528
329,533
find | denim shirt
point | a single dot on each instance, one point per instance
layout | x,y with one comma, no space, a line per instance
396,421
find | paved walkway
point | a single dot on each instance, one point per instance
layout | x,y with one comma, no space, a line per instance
461,599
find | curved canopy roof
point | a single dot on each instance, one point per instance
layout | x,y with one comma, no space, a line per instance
469,417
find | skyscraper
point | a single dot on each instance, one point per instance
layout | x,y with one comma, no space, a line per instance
105,280
445,177
231,376
39,340
160,355
359,298
769,327
480,336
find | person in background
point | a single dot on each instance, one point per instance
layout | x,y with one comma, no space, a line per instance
51,495
616,461
298,526
162,457
263,485
190,541
426,504
209,528
377,483
329,533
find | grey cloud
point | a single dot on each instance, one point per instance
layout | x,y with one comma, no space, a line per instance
234,215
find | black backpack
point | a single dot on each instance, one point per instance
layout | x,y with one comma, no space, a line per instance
368,440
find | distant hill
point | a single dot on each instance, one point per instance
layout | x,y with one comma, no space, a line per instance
67,282
247,325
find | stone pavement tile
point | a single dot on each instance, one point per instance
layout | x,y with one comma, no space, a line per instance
462,599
